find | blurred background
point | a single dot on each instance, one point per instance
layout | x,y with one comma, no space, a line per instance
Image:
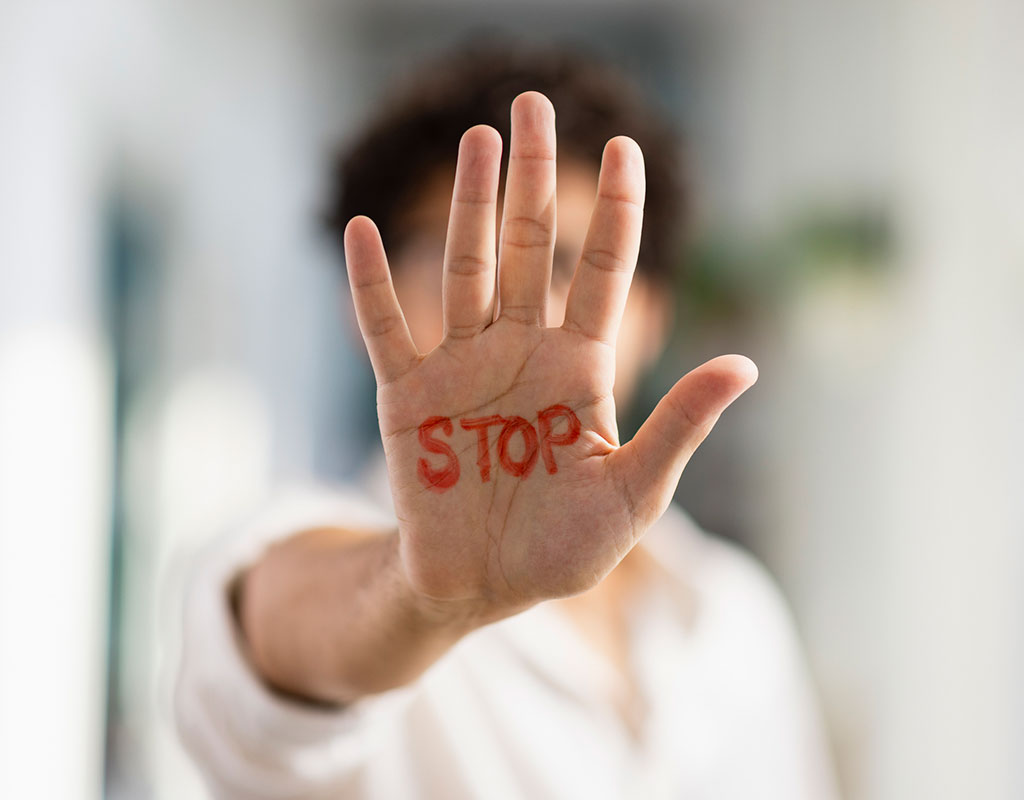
174,341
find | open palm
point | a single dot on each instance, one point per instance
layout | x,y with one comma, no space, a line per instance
509,482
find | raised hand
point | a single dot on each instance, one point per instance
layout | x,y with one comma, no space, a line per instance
509,481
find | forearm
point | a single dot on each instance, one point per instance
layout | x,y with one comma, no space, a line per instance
328,615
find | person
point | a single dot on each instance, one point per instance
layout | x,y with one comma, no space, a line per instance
510,606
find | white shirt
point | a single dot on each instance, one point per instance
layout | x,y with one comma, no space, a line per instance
525,707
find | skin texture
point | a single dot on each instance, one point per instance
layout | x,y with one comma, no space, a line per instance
334,615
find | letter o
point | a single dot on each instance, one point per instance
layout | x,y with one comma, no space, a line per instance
521,468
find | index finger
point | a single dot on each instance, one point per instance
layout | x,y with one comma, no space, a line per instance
469,258
600,284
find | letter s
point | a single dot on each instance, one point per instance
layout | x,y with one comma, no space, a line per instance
443,479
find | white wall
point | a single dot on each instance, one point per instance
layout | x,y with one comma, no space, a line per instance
55,407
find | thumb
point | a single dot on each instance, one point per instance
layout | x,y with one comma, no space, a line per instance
650,464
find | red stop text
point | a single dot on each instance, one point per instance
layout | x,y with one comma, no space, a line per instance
518,460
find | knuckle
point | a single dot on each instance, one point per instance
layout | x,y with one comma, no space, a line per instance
473,197
683,411
462,330
468,264
382,325
606,260
367,284
623,199
526,232
524,314
542,154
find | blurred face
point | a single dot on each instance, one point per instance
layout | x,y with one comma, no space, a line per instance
416,268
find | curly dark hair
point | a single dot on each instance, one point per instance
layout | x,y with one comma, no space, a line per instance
419,125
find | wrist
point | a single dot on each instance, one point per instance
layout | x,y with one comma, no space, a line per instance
457,615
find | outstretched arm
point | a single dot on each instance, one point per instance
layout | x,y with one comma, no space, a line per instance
509,481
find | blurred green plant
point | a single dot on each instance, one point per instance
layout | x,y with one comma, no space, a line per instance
727,275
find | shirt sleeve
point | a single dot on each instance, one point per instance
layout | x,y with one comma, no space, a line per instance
247,740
